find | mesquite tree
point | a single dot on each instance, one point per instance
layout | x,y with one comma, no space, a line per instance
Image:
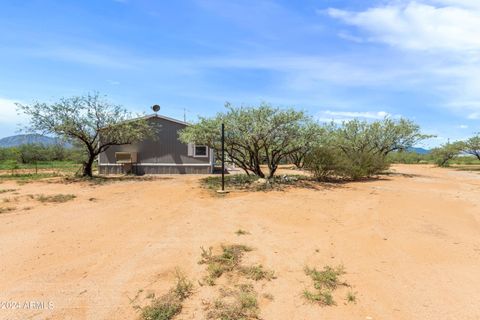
253,135
446,152
357,149
472,146
89,121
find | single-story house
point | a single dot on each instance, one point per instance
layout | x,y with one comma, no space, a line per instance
163,155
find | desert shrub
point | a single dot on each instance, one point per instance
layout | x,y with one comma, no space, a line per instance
358,149
447,152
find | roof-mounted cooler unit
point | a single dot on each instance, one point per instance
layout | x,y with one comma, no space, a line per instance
126,157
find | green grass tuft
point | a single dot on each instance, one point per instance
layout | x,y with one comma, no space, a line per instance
351,297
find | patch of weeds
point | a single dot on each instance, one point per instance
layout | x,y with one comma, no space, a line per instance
257,272
102,180
237,304
59,198
352,297
324,282
321,296
170,304
226,261
241,232
7,190
6,209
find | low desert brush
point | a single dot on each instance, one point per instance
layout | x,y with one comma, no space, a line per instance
170,304
324,282
226,261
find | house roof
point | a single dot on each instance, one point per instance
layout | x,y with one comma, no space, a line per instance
150,116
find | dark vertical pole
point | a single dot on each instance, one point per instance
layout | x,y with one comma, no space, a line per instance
223,157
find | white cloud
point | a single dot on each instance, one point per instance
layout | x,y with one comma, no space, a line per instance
8,111
439,40
353,114
463,126
474,116
340,116
418,26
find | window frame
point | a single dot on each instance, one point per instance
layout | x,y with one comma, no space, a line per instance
195,155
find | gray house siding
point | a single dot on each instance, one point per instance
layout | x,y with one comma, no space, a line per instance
163,155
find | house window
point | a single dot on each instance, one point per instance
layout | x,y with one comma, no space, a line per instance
200,151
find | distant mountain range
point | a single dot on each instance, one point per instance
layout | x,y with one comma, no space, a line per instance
17,140
419,150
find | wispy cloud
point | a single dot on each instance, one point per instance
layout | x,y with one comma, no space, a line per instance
418,26
341,116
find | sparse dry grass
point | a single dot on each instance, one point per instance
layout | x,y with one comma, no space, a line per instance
59,198
6,209
7,190
254,183
241,232
257,272
235,304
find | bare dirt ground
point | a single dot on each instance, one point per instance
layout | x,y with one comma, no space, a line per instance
410,244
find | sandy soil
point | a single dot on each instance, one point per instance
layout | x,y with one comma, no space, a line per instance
409,242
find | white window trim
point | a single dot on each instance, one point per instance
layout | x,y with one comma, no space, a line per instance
195,151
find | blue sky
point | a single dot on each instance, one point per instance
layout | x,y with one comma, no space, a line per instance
335,59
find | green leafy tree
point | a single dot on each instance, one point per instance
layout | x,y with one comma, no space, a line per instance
358,149
472,146
311,133
89,121
446,152
253,136
31,153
